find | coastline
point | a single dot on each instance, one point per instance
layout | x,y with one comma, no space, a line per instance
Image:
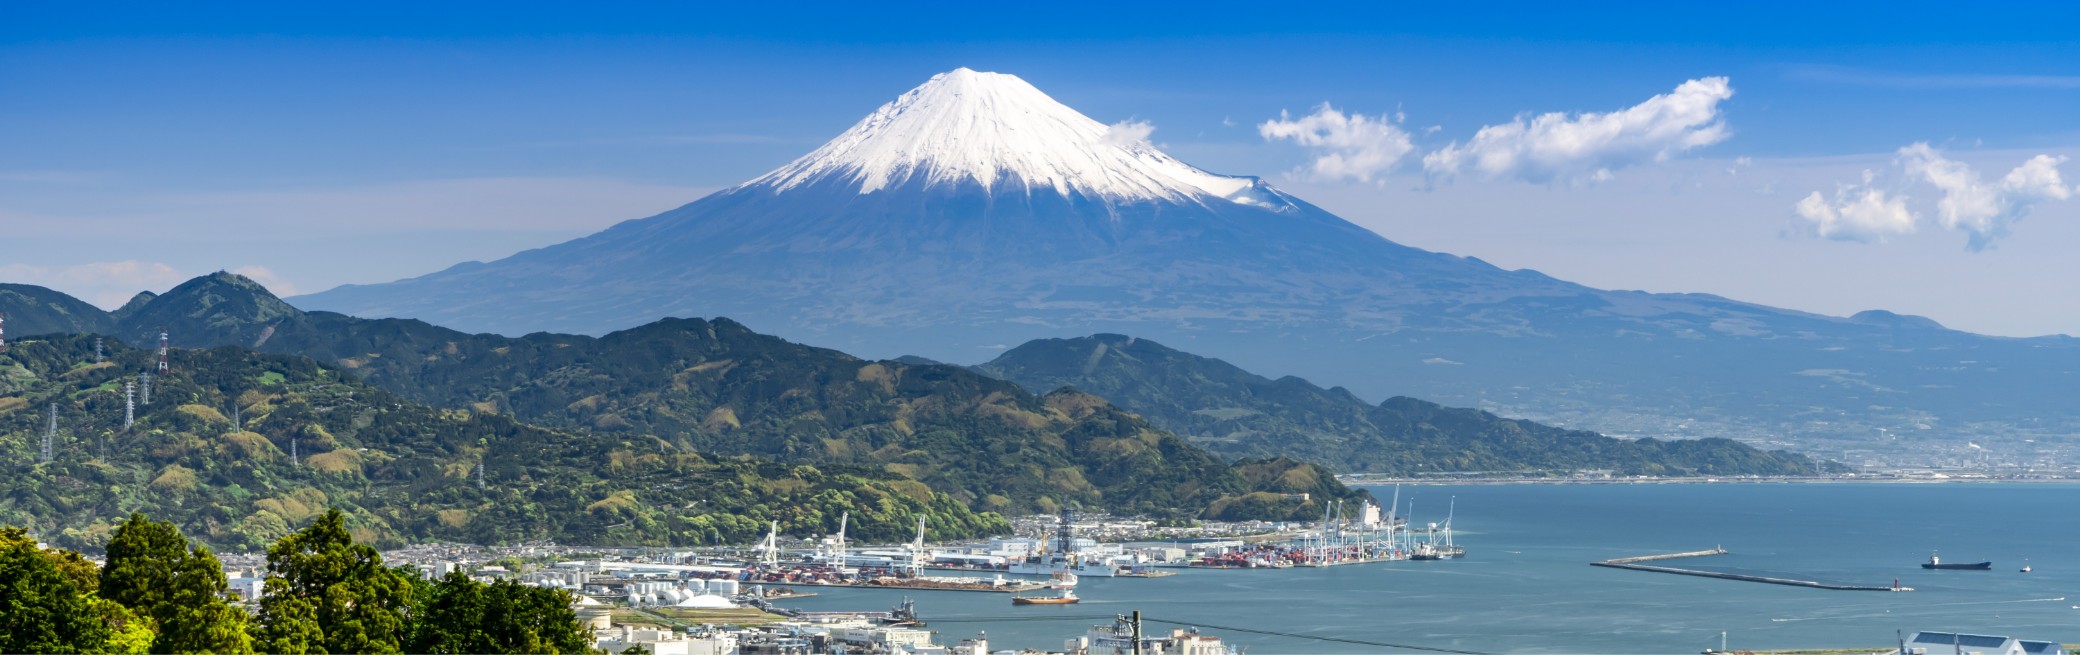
1363,480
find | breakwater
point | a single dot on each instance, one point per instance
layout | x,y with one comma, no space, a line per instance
1636,564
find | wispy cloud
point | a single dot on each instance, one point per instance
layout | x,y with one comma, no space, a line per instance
1587,147
507,204
49,177
1937,81
274,282
1130,132
1347,146
106,284
1984,210
1858,212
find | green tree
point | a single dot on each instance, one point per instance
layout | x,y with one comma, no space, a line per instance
289,626
327,594
130,633
42,610
141,558
462,615
153,571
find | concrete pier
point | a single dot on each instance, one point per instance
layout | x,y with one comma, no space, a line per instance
1634,564
1653,558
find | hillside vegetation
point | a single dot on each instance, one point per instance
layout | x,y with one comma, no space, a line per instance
1231,411
658,399
401,471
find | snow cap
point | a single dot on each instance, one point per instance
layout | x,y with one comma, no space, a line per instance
995,130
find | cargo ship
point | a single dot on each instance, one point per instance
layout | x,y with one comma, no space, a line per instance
1440,546
1935,562
1067,597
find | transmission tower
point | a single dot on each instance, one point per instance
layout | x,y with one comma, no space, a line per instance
3,333
49,434
480,475
144,386
98,350
238,423
293,461
129,404
162,349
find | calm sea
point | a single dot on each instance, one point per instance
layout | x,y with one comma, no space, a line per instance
1526,586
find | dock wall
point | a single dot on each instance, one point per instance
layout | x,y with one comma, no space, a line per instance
1634,564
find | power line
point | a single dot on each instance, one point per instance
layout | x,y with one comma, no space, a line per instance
1019,619
1201,624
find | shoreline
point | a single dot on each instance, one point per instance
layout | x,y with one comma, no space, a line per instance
1360,480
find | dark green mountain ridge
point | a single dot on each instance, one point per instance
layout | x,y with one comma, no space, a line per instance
401,470
717,387
1240,414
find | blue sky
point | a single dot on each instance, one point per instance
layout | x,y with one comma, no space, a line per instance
318,144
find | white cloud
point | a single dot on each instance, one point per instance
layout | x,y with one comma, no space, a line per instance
1984,210
1858,213
1130,133
1587,147
268,278
1347,146
105,284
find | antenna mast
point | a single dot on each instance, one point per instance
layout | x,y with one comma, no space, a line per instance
162,349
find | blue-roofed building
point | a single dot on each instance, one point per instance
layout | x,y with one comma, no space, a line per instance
1952,643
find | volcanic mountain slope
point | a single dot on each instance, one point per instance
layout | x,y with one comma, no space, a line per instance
1237,413
975,211
717,387
239,448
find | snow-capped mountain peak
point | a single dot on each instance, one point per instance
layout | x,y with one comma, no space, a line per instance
996,130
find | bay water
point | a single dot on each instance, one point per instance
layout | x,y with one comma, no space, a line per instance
1526,586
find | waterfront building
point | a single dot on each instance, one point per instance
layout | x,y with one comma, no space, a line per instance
664,642
1949,643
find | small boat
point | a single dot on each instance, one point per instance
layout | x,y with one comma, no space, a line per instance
2026,568
1937,563
1068,597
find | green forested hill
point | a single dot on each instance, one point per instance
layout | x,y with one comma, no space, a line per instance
715,387
1234,412
31,310
400,469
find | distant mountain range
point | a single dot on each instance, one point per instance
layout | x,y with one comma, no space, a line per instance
1240,414
974,213
716,388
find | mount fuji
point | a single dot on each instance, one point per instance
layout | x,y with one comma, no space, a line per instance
975,212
